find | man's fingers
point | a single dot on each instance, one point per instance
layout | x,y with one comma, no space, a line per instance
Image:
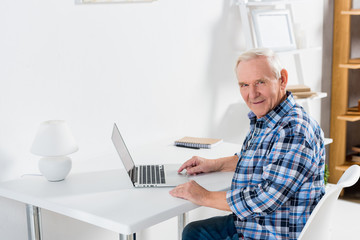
178,191
194,170
185,165
188,164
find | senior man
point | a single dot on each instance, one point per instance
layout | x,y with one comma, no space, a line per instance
279,172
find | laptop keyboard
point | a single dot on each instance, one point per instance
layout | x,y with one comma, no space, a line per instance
151,174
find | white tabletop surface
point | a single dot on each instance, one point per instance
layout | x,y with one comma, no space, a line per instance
107,198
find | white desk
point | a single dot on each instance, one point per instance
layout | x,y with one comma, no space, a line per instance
106,198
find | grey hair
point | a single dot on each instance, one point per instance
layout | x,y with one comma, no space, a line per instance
270,55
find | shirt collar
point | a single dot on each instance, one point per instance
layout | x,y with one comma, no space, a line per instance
276,114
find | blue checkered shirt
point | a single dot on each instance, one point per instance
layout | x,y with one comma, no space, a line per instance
279,177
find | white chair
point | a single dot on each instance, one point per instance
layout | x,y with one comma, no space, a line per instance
318,226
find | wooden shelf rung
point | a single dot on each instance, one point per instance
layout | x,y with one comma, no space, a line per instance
354,60
351,12
350,118
352,64
346,165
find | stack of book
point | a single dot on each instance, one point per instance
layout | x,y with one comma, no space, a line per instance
195,142
300,91
354,110
355,157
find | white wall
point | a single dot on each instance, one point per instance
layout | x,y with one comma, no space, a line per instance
160,70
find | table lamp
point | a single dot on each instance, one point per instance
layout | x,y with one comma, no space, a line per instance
54,141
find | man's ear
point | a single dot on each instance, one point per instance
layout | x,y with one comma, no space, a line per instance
283,78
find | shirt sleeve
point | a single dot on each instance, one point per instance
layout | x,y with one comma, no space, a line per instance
288,165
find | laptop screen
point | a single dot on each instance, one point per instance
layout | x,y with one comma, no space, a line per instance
122,149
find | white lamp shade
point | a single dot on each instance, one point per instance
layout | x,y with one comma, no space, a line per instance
54,138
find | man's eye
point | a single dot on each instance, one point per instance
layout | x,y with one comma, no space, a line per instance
244,85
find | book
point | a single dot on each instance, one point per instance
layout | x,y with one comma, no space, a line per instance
355,157
356,148
298,88
300,91
303,94
195,142
353,110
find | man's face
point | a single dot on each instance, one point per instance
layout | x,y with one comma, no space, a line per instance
259,87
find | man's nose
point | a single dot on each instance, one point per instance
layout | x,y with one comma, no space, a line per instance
253,93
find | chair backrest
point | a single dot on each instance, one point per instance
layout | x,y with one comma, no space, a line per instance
318,226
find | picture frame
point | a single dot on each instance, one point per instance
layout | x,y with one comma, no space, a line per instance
273,29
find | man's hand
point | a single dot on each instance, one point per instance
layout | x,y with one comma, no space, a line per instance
191,191
197,165
195,193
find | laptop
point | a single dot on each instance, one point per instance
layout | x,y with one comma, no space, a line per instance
162,175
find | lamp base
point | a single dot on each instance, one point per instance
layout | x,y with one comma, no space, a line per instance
55,169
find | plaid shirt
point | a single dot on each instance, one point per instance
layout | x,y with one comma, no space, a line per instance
279,177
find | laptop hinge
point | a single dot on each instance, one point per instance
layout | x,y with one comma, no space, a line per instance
133,174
